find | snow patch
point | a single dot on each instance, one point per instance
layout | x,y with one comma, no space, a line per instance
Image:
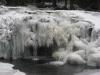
7,69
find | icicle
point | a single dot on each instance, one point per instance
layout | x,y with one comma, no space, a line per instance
94,35
35,57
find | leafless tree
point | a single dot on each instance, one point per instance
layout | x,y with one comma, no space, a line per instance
3,2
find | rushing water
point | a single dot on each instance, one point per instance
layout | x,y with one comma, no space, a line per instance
31,68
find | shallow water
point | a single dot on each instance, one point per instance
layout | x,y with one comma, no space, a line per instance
34,68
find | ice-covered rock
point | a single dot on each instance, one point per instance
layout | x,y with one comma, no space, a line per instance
79,44
60,55
74,58
82,53
94,59
57,63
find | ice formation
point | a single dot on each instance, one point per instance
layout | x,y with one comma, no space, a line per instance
74,58
65,31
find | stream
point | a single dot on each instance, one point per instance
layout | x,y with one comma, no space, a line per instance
35,68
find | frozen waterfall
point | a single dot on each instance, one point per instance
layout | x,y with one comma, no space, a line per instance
23,32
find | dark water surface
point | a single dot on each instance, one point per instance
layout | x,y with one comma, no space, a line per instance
34,68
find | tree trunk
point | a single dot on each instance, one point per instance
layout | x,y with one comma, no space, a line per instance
71,4
3,2
65,3
54,3
98,3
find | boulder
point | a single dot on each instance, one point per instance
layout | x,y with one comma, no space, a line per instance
82,53
94,59
60,55
74,58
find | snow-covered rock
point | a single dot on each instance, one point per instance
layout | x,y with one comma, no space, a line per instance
74,58
94,59
82,53
79,44
60,55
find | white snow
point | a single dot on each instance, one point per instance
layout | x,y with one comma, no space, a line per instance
74,58
7,69
89,16
57,63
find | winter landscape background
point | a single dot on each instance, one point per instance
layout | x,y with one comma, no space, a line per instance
44,41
